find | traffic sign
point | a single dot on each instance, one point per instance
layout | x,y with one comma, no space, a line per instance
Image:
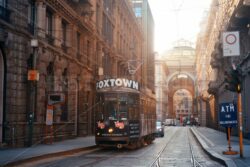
228,115
231,44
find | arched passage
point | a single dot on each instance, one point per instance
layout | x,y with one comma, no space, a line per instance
183,105
181,86
1,94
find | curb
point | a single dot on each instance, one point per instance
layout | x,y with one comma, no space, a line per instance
49,155
214,155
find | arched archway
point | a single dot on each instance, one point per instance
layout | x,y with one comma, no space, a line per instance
184,84
1,95
183,105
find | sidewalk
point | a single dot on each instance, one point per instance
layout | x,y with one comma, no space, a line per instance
8,156
215,142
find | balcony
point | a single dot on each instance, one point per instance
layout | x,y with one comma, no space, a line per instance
5,14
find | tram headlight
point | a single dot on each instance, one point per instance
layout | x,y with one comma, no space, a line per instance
110,130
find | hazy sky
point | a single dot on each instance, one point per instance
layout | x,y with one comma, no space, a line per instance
176,19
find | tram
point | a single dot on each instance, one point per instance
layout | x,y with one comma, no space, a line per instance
125,116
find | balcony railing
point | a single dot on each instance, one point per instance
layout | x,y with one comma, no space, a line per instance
4,13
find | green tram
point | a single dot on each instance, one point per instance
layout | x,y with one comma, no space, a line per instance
125,116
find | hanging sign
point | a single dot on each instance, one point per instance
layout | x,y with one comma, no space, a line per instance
117,82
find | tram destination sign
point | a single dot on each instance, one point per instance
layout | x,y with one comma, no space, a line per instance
117,82
228,115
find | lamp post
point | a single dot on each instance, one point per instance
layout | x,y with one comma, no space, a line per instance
32,78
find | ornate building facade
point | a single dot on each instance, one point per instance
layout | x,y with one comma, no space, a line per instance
224,17
161,73
180,61
145,19
74,44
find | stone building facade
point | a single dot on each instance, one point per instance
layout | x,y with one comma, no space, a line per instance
180,61
161,73
145,19
229,17
79,42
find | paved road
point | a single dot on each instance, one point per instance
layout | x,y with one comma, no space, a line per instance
171,150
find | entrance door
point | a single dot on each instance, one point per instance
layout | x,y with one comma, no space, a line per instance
1,95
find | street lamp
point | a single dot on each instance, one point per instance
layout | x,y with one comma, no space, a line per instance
33,77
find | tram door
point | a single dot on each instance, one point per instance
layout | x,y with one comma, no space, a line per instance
1,95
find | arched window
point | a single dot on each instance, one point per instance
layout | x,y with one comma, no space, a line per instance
50,77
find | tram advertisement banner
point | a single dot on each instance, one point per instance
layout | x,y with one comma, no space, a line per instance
134,129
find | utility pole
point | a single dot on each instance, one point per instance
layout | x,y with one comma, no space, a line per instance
240,122
233,83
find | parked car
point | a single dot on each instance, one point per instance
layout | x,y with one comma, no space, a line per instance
159,129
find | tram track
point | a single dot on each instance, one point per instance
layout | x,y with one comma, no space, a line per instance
179,147
156,162
194,161
197,156
98,160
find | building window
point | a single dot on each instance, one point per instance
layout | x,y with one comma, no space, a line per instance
138,11
50,77
64,35
31,16
78,41
3,3
107,30
98,19
4,12
108,6
106,63
49,19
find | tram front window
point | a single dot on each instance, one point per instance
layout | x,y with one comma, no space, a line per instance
115,110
